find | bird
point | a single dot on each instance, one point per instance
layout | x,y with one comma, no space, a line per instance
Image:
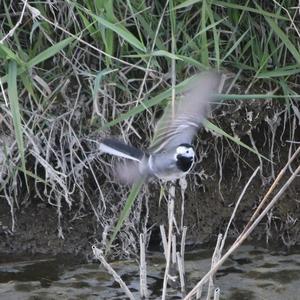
170,155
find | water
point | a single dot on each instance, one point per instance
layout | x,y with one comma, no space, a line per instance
251,273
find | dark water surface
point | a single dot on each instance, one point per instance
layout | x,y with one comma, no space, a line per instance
251,273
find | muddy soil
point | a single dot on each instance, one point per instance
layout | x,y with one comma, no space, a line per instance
36,232
207,211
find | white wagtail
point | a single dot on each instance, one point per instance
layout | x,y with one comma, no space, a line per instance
170,155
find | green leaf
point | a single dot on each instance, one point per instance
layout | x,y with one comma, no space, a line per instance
248,9
283,36
97,83
192,62
162,53
220,131
123,32
279,72
7,54
51,51
126,210
27,82
235,45
44,55
187,3
15,111
118,29
252,96
204,42
216,35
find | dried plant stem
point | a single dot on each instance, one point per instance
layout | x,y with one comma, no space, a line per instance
3,93
271,189
143,269
173,249
10,201
199,292
180,264
12,31
182,245
164,239
99,255
236,207
183,187
168,252
248,231
215,258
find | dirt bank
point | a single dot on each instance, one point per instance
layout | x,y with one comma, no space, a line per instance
36,231
206,214
213,187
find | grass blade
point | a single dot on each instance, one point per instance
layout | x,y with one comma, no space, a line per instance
46,54
280,72
180,88
121,31
15,111
159,53
7,53
117,28
234,46
126,210
282,35
186,3
248,9
220,131
204,42
216,36
51,51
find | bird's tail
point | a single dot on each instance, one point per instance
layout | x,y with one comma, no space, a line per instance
117,148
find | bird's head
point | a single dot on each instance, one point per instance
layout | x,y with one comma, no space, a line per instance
184,157
185,150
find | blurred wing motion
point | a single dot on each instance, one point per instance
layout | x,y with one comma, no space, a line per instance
117,148
128,171
179,125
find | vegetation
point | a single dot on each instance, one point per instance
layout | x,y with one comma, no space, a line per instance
73,71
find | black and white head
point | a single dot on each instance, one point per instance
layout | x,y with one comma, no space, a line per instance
174,132
185,157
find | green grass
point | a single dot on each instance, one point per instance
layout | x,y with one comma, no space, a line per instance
86,68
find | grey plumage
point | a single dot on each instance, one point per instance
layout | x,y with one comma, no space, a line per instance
170,154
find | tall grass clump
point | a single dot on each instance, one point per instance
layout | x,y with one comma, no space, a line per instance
72,72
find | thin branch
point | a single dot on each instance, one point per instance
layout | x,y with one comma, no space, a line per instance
99,255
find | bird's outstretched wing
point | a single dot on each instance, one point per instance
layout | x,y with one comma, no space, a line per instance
130,170
178,125
117,148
